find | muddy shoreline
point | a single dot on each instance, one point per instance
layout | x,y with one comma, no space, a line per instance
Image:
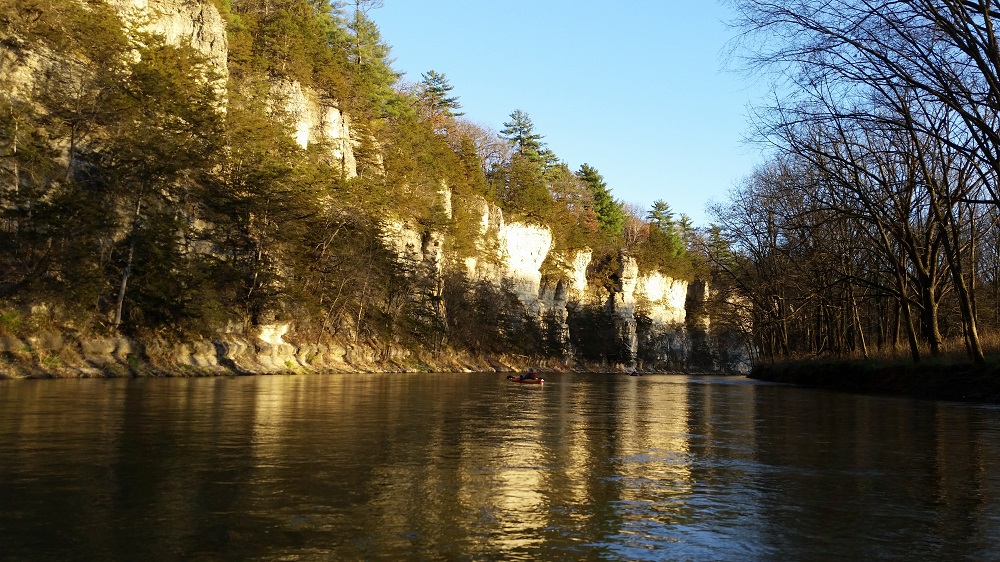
965,382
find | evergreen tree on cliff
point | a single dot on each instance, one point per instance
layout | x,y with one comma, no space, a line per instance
666,235
610,214
525,186
434,91
521,136
372,65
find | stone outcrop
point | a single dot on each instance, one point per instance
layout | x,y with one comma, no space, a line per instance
646,313
621,305
196,23
317,119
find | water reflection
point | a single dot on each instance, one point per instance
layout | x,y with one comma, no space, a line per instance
471,467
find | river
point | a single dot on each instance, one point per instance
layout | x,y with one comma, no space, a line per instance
473,467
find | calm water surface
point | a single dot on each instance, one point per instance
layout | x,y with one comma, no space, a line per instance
472,467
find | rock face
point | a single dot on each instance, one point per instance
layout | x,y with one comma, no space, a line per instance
522,249
621,305
196,23
646,314
183,22
317,120
646,320
420,259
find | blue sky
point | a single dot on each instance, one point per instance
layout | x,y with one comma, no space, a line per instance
639,90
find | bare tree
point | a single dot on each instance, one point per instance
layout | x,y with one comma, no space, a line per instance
636,230
894,104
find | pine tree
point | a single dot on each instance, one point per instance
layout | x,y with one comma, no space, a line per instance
164,141
661,216
610,214
433,92
520,134
372,67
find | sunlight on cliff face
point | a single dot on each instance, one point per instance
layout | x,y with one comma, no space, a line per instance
273,333
665,297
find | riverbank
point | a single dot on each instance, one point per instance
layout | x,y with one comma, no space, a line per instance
965,382
52,355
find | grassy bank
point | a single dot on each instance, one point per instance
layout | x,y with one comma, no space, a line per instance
942,380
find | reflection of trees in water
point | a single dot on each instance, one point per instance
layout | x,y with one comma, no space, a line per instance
469,465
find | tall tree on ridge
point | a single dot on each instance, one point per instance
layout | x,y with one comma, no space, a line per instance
661,215
373,67
434,90
610,214
666,236
520,134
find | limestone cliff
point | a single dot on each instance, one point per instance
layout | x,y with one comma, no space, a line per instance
180,22
317,119
547,299
647,314
196,23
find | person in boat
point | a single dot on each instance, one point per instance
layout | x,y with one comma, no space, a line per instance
530,375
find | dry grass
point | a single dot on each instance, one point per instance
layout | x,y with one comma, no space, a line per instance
952,352
948,376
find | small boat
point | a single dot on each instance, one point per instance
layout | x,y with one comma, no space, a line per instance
512,378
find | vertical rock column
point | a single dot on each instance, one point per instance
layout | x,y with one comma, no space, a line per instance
522,250
622,305
568,293
660,311
555,296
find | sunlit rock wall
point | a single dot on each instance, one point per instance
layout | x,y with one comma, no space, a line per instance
510,256
646,314
419,253
661,318
20,68
183,22
420,259
621,305
523,248
559,293
316,119
662,299
510,259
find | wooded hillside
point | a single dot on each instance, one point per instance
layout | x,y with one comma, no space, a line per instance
138,197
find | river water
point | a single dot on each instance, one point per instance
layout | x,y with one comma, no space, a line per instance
473,467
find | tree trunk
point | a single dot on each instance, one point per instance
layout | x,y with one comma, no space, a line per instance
120,302
858,326
931,326
911,334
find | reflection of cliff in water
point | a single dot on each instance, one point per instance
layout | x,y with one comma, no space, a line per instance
399,466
